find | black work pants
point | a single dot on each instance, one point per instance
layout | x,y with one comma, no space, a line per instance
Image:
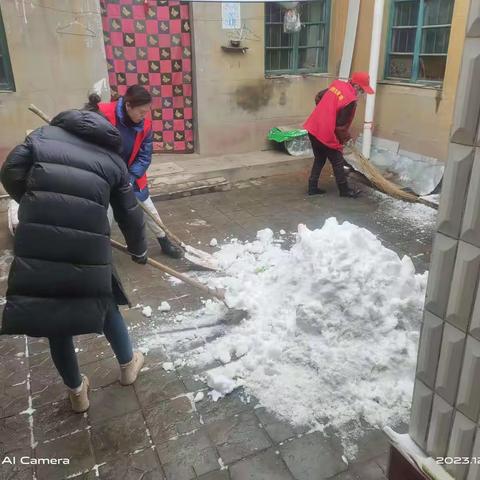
321,153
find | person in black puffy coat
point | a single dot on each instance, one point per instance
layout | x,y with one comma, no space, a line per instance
62,282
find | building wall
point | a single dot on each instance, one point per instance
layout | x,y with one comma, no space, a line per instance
446,401
54,71
237,105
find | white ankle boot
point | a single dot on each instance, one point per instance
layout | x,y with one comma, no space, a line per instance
79,396
129,371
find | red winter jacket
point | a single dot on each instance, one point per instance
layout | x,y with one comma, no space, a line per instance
322,123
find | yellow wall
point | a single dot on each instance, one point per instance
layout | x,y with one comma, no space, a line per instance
52,70
237,105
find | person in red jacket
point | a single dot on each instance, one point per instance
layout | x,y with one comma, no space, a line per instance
130,114
328,128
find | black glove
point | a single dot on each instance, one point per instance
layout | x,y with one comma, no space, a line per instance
140,259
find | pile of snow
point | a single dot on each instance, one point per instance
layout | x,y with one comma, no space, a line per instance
164,307
213,242
332,332
147,311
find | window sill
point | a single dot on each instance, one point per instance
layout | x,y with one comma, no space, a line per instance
424,86
298,75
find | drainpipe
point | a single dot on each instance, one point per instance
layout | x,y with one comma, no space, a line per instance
373,72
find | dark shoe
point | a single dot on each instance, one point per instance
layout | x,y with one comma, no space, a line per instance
346,191
316,191
168,248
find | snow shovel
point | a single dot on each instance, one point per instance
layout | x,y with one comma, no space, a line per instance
233,316
192,254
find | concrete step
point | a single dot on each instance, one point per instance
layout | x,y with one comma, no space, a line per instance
189,175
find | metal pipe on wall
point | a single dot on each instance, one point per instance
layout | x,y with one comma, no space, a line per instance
373,72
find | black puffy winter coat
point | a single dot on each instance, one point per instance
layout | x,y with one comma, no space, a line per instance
64,176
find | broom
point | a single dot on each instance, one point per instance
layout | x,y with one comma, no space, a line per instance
377,179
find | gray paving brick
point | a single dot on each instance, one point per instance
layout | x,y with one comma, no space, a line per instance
156,385
143,465
225,407
112,401
75,447
440,426
53,420
471,219
218,475
14,433
421,407
451,357
17,471
429,349
277,429
188,456
171,418
474,328
443,262
464,281
311,458
460,444
468,398
119,436
264,466
238,436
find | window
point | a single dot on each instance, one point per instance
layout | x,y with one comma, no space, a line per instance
299,52
418,43
6,76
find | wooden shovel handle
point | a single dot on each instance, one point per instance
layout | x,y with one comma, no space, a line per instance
173,273
38,112
161,225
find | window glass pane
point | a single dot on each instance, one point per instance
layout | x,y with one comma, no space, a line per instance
435,40
400,66
406,13
308,58
403,40
311,36
273,12
279,60
432,68
312,11
276,38
438,12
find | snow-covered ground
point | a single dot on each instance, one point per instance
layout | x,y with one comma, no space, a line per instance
331,334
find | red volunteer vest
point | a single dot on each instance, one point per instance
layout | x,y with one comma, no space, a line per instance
109,110
322,121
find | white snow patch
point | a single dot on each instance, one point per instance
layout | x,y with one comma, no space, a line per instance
213,242
174,280
147,311
168,366
414,213
164,307
332,332
282,232
199,397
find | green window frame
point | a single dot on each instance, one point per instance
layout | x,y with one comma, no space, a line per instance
300,52
418,38
6,74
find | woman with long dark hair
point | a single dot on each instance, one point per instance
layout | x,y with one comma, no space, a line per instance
131,115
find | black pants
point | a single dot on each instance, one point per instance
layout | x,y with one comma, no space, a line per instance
321,153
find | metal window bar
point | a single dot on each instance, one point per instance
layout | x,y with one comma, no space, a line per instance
7,84
420,28
295,48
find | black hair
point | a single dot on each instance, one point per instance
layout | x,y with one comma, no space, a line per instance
92,104
137,96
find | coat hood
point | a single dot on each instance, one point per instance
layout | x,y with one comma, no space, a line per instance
90,126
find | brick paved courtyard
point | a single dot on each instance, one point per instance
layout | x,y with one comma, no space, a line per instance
154,430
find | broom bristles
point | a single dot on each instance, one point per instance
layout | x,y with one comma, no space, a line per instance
384,185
